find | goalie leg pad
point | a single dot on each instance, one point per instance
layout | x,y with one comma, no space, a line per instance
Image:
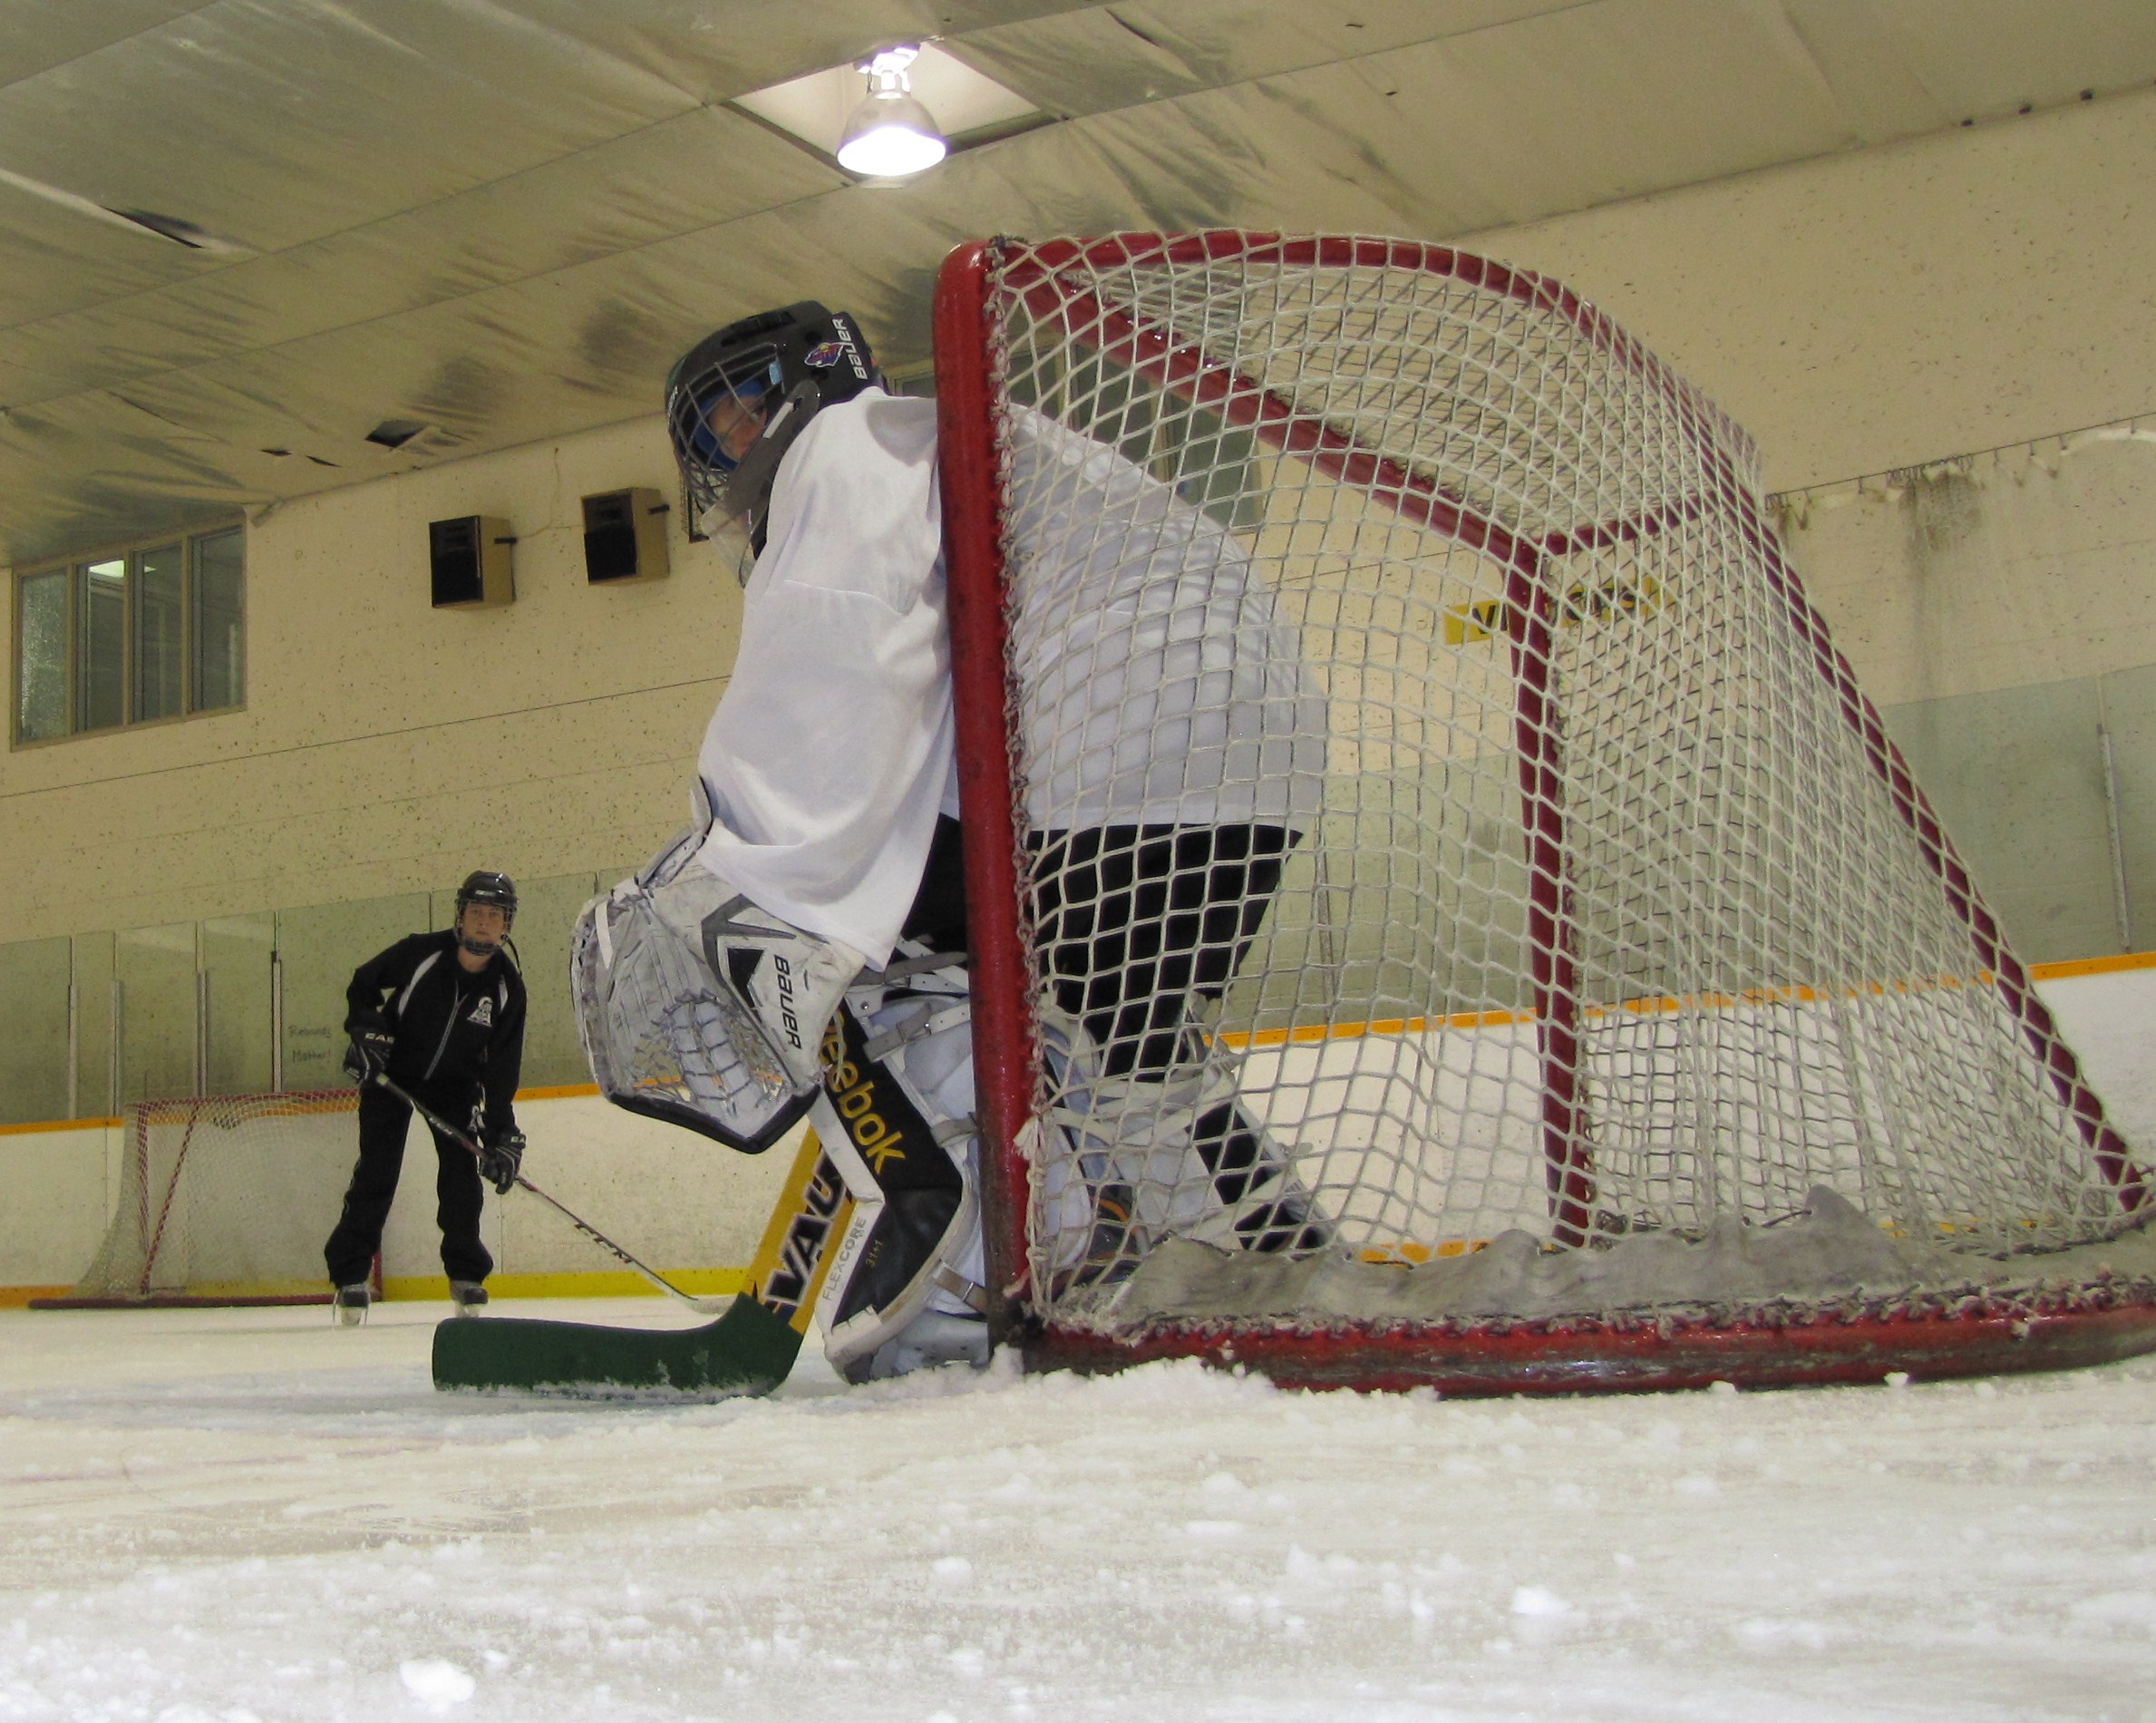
899,1124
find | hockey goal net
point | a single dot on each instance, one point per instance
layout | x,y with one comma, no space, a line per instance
223,1199
1443,910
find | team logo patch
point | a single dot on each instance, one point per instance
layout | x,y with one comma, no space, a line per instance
824,354
483,1013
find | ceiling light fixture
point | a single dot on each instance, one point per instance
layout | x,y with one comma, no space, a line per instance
890,135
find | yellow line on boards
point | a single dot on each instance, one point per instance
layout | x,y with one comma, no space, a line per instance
2092,966
598,1284
16,1298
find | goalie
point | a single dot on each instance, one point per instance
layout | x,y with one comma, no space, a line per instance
803,944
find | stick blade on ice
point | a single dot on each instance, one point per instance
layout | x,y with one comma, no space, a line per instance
748,1350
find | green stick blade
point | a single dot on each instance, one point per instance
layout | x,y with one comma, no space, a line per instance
748,1350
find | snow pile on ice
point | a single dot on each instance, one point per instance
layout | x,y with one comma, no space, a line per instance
435,1682
1830,1254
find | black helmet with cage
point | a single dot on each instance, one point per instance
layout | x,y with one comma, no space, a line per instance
737,399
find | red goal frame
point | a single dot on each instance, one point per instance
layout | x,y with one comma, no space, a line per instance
1953,1336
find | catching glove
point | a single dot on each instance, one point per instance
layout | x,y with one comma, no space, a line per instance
369,1052
501,1158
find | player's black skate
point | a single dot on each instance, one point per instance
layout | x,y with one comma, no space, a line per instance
469,1296
350,1307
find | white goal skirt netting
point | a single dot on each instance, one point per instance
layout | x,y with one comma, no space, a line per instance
227,1197
1604,906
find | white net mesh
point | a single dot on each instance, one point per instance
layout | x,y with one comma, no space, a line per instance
228,1197
1441,813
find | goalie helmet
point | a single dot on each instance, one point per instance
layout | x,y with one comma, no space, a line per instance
736,400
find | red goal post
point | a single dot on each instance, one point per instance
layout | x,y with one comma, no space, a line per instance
1702,1025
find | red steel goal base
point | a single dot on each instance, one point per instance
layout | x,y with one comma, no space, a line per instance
1588,1357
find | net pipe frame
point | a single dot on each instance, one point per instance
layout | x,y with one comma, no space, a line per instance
143,1117
1978,1336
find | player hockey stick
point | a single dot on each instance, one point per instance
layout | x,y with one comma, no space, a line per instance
714,1306
748,1350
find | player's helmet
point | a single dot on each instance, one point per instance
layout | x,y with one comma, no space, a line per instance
737,399
483,887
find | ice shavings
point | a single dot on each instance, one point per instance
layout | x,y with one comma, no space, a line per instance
1830,1255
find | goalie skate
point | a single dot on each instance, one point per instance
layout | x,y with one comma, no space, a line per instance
1125,1162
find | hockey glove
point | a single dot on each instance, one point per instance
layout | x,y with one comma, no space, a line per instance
369,1052
501,1159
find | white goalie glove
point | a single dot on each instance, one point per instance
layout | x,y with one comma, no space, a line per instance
696,1007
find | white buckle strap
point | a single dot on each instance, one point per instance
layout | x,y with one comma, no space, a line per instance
928,964
925,1021
970,1293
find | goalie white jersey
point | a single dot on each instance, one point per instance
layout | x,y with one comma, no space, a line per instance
1168,693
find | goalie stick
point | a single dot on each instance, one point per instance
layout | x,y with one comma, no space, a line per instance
463,1139
748,1350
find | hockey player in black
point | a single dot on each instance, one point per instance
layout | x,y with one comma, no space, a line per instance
441,1016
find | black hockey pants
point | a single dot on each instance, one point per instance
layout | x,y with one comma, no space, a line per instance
1137,924
459,1193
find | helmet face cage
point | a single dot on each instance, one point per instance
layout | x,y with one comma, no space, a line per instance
746,377
485,887
715,415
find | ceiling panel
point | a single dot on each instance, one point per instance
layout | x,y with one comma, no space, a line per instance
503,217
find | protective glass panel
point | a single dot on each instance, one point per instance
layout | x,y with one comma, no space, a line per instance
97,1011
41,657
156,1024
34,1051
220,622
157,593
317,949
100,644
2016,775
237,1030
2129,715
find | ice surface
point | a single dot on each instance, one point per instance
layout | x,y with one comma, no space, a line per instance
232,1514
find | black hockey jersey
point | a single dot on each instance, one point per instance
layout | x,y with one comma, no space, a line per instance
453,1028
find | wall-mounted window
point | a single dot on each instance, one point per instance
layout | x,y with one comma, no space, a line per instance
155,632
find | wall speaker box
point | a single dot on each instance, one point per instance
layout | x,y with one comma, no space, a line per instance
470,560
624,536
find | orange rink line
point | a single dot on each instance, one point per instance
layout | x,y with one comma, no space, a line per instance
1650,1005
1316,1031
